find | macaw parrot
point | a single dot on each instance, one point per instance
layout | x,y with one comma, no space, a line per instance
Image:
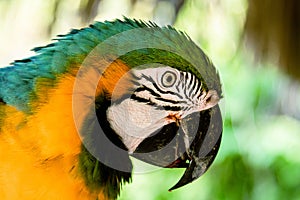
73,115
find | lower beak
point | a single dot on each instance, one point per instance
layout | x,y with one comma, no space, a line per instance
193,145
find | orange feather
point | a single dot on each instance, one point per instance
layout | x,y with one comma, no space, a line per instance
39,151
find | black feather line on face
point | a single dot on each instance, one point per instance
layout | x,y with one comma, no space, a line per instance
165,92
170,108
158,107
145,88
139,99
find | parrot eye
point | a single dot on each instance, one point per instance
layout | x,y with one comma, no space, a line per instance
168,79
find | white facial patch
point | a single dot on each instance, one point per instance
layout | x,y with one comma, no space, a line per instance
134,121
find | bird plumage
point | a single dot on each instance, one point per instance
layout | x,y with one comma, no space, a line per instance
47,104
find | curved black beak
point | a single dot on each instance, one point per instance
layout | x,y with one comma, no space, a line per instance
192,144
204,148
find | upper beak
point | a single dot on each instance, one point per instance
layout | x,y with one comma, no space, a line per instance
193,145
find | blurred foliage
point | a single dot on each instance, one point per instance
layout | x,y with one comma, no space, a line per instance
261,107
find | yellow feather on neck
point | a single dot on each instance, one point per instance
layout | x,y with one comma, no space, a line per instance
39,151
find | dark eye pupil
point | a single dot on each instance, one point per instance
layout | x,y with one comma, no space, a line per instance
169,78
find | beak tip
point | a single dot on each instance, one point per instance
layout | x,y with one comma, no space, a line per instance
175,187
189,175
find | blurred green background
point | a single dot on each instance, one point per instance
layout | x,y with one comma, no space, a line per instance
258,158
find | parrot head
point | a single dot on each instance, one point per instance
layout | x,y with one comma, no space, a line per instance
156,99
